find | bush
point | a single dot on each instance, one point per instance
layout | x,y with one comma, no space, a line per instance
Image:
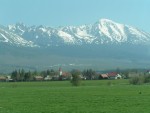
136,80
140,79
76,79
146,78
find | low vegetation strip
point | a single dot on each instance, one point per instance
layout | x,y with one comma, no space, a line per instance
105,96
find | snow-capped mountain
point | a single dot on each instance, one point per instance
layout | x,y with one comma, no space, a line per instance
104,44
115,32
12,38
103,31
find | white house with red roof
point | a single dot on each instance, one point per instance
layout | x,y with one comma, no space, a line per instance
114,75
111,75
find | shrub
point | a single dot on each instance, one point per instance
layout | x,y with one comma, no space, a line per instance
136,80
146,78
76,79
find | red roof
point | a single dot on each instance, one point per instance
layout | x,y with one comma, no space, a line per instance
112,74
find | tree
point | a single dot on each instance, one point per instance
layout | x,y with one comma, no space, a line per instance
14,75
89,74
22,74
146,78
48,72
28,76
18,75
44,73
126,74
76,77
137,80
52,72
35,73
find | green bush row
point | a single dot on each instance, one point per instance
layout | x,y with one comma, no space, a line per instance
137,80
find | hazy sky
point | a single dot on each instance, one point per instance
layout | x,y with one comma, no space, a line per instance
56,13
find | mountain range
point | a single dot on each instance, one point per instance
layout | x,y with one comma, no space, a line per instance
104,44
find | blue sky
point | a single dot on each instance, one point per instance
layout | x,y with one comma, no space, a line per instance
56,13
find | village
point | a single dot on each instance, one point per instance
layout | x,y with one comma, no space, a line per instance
60,75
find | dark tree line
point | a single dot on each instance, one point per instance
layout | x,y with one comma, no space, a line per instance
22,75
49,72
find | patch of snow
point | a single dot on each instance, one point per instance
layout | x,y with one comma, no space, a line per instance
121,29
66,37
37,37
118,32
11,27
15,39
136,32
84,38
82,32
20,30
6,39
49,33
43,29
104,30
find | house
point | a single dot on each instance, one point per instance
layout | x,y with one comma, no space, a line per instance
103,76
65,76
38,78
55,77
111,75
48,78
9,79
82,77
2,79
114,75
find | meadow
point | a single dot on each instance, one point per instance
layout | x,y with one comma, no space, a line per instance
97,96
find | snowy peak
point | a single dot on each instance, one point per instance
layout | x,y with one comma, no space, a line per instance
114,31
106,21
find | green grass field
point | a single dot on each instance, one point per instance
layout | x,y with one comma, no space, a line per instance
106,96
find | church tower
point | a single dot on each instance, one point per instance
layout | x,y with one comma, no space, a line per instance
60,71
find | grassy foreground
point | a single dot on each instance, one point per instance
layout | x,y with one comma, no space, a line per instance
115,96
